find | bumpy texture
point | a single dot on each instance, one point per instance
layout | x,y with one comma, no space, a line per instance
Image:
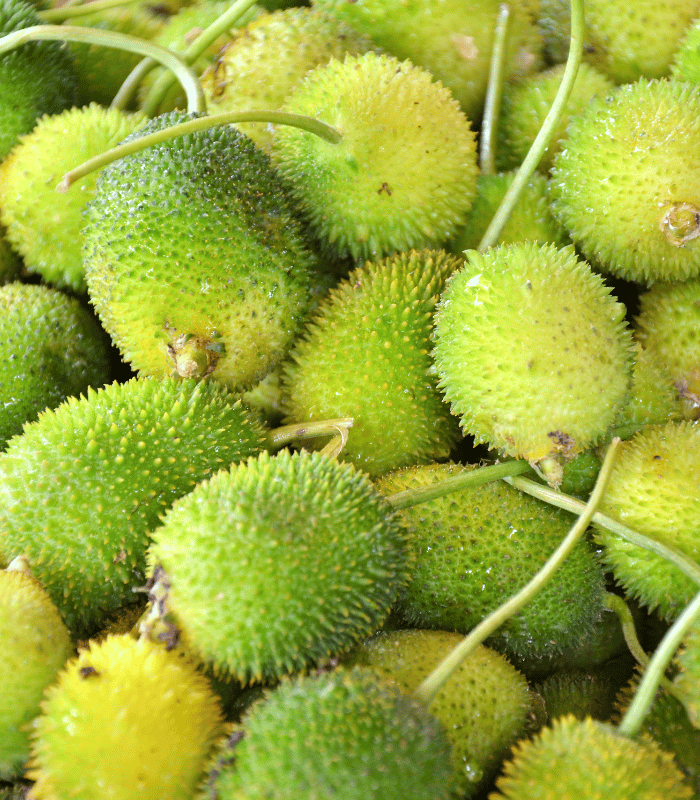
42,225
474,549
627,185
584,758
280,563
35,645
194,258
51,348
687,682
686,60
103,469
403,175
483,707
655,489
451,41
555,387
143,722
269,57
36,78
341,734
366,355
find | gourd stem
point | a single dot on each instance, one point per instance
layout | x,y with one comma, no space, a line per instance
441,674
131,83
546,132
284,435
192,126
82,9
489,123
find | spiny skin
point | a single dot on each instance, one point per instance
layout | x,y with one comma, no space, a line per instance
452,41
476,548
341,734
667,327
686,60
556,386
655,489
35,79
584,758
366,355
627,185
10,264
269,57
104,468
197,238
35,645
51,348
43,225
142,723
282,562
525,105
483,707
404,174
687,682
530,220
582,694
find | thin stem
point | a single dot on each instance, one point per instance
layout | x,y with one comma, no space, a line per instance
644,696
206,38
71,10
547,130
131,83
568,503
280,437
192,126
441,674
121,41
457,483
494,93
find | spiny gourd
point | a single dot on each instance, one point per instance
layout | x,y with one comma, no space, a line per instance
280,563
483,707
582,694
366,355
627,185
265,60
655,489
36,78
43,225
343,734
125,719
453,41
35,645
553,389
477,547
194,257
686,59
585,758
51,348
104,468
403,175
686,684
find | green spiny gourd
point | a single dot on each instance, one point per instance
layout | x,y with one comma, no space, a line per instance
269,57
484,706
583,694
36,78
586,758
627,185
686,60
554,388
475,548
142,723
51,348
403,175
104,468
35,645
279,563
42,225
366,355
687,682
340,734
225,283
454,43
10,264
655,489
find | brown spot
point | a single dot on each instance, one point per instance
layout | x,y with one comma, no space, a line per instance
88,672
384,188
563,443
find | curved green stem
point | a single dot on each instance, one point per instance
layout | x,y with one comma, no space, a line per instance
122,41
568,503
192,126
69,11
280,437
456,483
644,696
544,137
441,674
206,38
131,83
494,93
